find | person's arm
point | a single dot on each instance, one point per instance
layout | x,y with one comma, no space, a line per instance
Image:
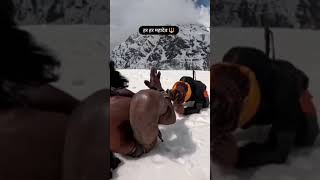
198,100
169,117
255,154
195,109
154,82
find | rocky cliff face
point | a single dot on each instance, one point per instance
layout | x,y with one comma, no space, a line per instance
189,49
32,12
275,13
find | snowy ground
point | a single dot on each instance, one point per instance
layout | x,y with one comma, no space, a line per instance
301,47
81,49
185,152
82,52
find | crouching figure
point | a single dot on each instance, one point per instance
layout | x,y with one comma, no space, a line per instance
134,118
248,89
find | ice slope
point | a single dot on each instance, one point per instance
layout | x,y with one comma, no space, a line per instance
185,152
301,47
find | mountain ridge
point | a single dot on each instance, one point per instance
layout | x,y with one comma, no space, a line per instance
189,49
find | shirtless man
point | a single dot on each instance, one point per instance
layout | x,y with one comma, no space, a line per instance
134,118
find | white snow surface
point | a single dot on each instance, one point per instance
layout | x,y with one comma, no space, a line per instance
185,152
81,49
300,47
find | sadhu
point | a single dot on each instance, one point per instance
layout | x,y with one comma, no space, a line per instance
189,96
135,117
45,133
249,89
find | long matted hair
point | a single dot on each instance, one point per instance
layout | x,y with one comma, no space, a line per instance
117,80
23,62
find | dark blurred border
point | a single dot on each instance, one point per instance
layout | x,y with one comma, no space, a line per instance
304,14
108,86
62,12
212,44
211,62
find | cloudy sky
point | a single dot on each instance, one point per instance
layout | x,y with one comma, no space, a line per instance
128,15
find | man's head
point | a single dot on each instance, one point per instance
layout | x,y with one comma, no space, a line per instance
229,87
24,64
181,92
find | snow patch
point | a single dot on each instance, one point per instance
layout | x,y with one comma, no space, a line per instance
185,152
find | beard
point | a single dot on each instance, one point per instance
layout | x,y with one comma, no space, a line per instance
225,116
224,120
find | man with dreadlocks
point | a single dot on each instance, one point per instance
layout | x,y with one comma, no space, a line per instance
134,117
249,89
33,114
45,133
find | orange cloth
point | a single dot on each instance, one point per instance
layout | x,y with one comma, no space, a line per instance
205,94
252,102
189,91
306,103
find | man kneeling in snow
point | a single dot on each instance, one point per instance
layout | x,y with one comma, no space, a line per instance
189,96
249,89
134,118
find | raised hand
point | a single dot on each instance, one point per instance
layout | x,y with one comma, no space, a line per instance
154,82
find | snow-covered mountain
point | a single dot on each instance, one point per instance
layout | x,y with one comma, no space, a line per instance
257,13
61,12
189,49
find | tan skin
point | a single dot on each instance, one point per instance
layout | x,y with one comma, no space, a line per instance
45,141
121,137
86,143
134,120
144,120
148,108
32,136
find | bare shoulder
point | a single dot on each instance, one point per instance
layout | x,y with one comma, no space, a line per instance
146,94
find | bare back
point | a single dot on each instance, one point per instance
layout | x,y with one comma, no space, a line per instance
31,144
